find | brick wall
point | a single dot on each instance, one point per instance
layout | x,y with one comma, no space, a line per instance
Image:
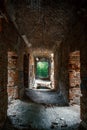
15,49
74,78
12,75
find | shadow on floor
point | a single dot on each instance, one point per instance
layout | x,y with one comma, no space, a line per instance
9,126
45,97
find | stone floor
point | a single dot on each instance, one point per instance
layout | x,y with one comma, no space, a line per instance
24,115
46,97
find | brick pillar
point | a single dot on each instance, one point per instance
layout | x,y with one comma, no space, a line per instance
3,84
12,75
74,77
84,84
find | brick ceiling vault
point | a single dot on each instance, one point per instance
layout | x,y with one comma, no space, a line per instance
8,10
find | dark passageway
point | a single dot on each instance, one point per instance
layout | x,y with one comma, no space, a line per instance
43,64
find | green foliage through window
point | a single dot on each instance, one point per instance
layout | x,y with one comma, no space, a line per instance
42,69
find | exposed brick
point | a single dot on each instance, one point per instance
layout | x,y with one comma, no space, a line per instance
12,75
74,77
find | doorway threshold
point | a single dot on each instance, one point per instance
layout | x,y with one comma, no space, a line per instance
46,90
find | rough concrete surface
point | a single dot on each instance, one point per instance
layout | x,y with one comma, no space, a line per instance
45,96
30,116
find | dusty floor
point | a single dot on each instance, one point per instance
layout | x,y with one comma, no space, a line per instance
23,115
46,97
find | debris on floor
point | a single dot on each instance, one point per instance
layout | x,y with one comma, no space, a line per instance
30,116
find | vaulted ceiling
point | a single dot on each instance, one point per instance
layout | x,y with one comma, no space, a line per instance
55,16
